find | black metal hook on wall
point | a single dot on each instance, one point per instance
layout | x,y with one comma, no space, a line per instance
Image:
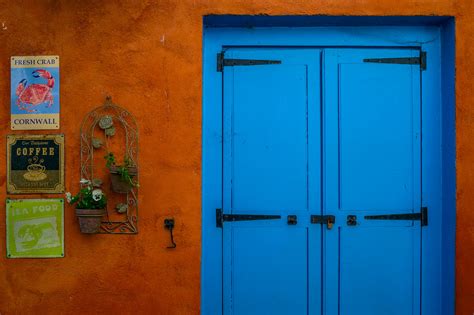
169,224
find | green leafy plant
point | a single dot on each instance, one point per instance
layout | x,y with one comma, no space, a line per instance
123,170
88,197
109,160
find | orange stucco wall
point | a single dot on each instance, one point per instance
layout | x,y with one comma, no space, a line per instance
147,54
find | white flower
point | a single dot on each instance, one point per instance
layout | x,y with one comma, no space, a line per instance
84,181
68,197
97,194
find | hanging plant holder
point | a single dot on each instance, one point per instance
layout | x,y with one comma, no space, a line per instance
105,122
118,183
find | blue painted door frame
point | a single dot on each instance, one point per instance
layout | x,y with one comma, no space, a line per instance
436,289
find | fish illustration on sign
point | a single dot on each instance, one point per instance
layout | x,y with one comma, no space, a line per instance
35,228
36,234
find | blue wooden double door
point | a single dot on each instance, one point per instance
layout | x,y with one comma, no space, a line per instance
321,164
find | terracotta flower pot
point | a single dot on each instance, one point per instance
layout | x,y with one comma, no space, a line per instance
90,219
118,184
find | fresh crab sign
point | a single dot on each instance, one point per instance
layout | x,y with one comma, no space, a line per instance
34,92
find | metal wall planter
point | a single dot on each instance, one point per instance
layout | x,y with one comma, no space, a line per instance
105,129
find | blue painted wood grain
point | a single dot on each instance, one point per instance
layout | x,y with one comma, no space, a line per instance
270,267
371,165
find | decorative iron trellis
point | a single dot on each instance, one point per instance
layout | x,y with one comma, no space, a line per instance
90,123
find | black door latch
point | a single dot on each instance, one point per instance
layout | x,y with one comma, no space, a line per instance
329,220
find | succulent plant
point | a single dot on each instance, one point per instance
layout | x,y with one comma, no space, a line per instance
96,143
121,208
106,122
109,132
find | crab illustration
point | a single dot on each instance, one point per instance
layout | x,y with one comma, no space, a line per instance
34,94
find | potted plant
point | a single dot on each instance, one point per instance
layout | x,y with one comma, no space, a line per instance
121,176
90,204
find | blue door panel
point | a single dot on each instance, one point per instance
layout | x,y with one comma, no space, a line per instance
269,270
371,165
271,165
376,136
269,142
295,145
376,270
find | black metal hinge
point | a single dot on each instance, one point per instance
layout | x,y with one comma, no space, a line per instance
222,62
422,216
421,60
221,218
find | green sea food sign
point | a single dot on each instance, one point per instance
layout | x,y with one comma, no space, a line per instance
35,228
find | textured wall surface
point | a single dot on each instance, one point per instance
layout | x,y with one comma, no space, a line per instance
147,55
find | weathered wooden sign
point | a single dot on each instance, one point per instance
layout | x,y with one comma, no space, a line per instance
35,228
35,164
34,92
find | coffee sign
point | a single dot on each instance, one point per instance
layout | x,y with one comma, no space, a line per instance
35,164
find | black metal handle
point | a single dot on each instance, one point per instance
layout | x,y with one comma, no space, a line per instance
292,219
220,217
351,220
169,224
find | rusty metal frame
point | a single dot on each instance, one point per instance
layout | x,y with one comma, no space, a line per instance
129,225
